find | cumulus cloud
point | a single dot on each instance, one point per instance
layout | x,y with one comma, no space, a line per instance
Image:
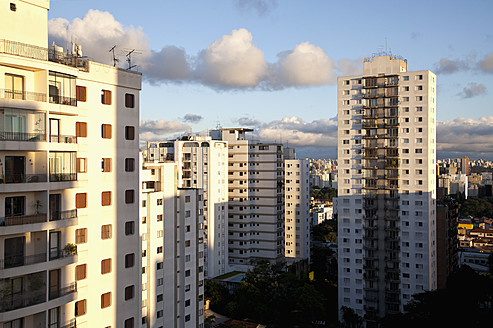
472,90
306,65
449,66
486,64
192,118
245,121
233,61
261,7
297,132
156,129
465,135
350,66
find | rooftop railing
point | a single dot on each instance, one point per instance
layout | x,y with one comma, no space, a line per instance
50,54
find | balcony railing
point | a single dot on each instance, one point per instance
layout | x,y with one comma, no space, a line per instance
69,289
62,138
60,253
63,215
22,95
71,324
11,302
58,177
22,219
62,100
13,261
41,53
23,178
22,136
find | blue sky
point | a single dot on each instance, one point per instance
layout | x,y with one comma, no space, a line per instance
184,45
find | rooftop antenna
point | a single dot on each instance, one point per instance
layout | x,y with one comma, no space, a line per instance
115,60
129,57
218,125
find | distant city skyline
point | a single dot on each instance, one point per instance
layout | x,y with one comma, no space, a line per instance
271,65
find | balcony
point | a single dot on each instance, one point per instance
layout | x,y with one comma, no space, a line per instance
63,215
48,54
22,95
62,291
18,261
63,138
23,178
62,100
22,136
58,177
22,219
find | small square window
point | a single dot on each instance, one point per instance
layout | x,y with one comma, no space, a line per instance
129,260
130,132
129,100
106,231
81,165
106,131
81,93
106,198
80,272
105,266
81,200
129,196
106,165
81,129
106,97
81,236
129,164
80,307
13,7
105,300
129,228
129,292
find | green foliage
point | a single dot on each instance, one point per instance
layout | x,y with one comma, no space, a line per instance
479,169
351,319
467,292
326,193
477,207
277,299
70,249
325,231
217,294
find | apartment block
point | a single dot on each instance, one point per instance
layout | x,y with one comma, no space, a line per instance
386,186
172,233
297,208
203,163
69,244
255,199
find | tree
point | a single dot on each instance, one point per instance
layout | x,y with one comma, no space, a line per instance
217,294
350,318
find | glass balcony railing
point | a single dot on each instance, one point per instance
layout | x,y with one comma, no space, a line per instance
22,136
58,177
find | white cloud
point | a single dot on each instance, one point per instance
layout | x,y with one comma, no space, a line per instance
232,61
192,118
350,67
449,66
486,64
306,65
262,7
466,135
161,127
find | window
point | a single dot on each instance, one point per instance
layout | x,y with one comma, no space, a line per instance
129,323
129,228
106,131
159,298
105,266
106,231
130,132
13,7
106,198
81,93
80,272
129,196
129,292
159,249
159,201
418,150
106,97
81,236
105,300
106,165
129,100
129,164
187,318
129,260
62,89
187,273
81,165
159,217
81,129
81,200
80,308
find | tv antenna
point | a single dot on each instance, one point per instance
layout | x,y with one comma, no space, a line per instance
115,60
129,57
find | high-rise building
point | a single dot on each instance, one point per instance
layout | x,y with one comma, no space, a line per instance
464,165
172,233
297,208
386,186
203,163
255,199
69,183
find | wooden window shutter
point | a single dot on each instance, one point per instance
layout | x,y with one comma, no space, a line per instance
105,266
106,198
81,93
81,200
80,272
81,129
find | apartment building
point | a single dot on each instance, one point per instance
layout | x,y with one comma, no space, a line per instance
172,233
386,189
297,208
69,244
203,163
255,199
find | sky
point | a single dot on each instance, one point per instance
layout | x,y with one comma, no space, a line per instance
272,65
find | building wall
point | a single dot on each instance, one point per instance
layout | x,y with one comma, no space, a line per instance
386,186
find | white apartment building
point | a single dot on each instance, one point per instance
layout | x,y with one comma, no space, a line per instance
203,163
69,244
386,186
172,232
256,199
297,208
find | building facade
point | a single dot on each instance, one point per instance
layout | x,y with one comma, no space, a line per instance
386,186
69,245
255,199
172,233
203,163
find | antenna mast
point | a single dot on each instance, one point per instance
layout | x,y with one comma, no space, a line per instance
115,60
129,58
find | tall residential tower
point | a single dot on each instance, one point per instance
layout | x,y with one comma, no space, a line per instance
386,190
